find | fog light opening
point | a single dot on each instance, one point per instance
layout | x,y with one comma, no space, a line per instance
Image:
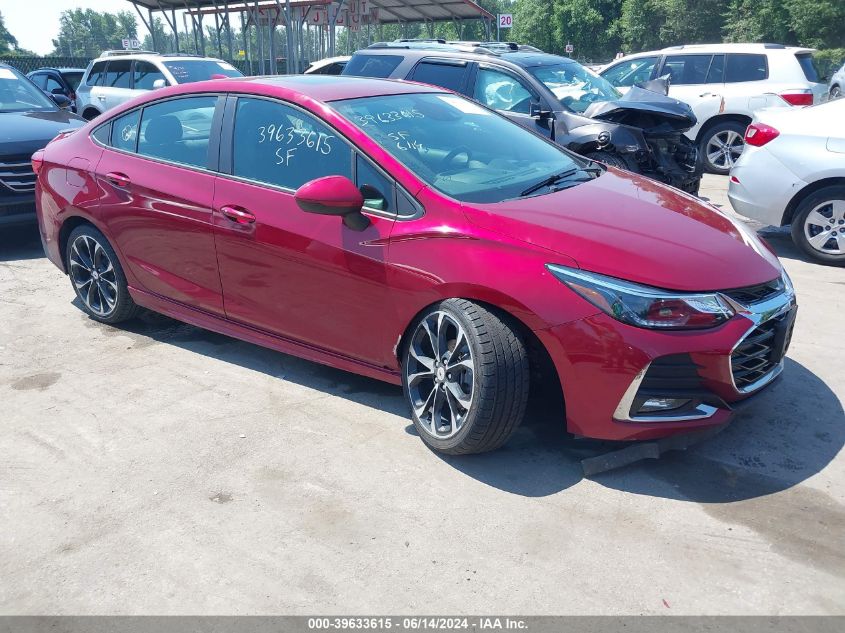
658,405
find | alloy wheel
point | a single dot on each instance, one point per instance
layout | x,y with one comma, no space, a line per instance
824,227
724,148
440,374
93,275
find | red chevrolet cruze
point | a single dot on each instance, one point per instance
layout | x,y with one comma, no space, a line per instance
408,234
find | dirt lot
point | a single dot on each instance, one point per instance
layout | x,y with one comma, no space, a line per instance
158,468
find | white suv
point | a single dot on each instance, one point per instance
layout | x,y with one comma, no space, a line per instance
747,77
117,76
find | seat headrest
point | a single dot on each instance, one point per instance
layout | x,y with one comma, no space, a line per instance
163,129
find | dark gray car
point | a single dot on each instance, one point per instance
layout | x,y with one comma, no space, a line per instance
555,96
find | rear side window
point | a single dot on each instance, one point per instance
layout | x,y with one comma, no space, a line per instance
280,145
145,75
501,91
72,79
372,65
687,70
745,67
178,130
716,74
808,65
117,74
630,72
95,77
444,74
124,131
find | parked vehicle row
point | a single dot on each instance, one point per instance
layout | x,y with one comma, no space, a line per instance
746,78
378,227
28,121
553,96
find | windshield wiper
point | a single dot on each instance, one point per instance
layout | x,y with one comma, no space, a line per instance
555,178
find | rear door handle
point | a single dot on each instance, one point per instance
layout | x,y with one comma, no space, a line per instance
118,179
237,214
101,98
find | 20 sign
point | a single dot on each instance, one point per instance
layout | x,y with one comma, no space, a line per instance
505,20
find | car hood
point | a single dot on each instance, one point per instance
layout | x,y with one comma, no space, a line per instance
25,132
633,228
646,109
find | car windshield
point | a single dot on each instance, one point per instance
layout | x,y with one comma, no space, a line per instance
459,147
575,86
186,71
19,94
73,79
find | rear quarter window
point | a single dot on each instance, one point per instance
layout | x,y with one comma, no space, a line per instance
378,66
746,67
808,65
95,77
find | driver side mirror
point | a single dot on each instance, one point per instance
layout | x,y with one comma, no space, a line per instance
333,195
536,111
60,100
159,83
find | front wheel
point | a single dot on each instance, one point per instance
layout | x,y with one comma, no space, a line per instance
611,159
818,227
97,276
465,377
721,146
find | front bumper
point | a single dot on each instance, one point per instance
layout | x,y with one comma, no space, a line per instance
608,369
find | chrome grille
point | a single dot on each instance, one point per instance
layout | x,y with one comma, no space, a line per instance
761,351
16,174
755,294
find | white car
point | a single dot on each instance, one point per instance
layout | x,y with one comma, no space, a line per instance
327,66
746,77
117,76
837,84
793,172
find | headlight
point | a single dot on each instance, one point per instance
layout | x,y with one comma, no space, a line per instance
644,306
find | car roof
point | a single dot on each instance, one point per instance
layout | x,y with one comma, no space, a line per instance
61,69
318,87
719,48
159,56
519,58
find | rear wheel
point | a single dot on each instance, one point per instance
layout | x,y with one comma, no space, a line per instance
818,226
465,376
721,146
835,92
90,114
97,276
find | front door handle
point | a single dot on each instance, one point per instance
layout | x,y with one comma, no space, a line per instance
118,179
237,214
101,97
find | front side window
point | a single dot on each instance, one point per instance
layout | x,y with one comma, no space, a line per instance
379,66
145,75
279,145
575,86
54,87
178,130
19,94
72,79
187,71
744,67
39,79
455,145
124,131
630,72
443,74
686,70
502,91
95,77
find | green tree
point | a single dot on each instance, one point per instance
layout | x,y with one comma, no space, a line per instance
818,23
758,21
86,33
8,42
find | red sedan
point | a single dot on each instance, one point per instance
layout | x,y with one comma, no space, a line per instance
406,233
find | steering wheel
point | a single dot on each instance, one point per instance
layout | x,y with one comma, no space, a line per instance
461,149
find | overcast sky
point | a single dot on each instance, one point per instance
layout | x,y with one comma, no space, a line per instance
36,22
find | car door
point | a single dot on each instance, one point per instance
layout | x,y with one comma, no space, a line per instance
502,90
39,79
693,77
117,83
55,86
299,275
157,182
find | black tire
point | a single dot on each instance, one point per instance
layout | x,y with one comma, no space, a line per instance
726,129
835,93
608,158
821,201
499,380
90,114
107,288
